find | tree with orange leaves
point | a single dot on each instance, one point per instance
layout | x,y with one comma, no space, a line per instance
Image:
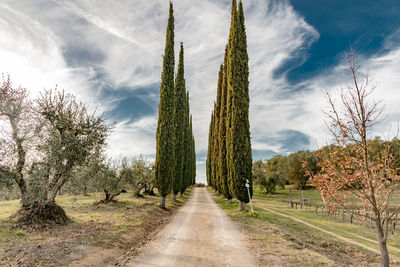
350,170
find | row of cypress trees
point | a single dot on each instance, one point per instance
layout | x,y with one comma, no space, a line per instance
175,166
229,157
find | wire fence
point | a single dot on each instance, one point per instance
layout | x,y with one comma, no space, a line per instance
352,216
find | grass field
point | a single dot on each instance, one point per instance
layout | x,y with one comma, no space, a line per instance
113,227
295,243
313,196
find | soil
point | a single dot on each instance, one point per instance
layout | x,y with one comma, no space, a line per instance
128,243
200,234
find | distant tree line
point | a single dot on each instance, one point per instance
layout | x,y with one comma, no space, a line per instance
298,168
229,157
175,166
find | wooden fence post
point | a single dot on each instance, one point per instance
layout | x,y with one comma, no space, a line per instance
342,213
290,198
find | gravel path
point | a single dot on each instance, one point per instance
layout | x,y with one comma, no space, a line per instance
200,234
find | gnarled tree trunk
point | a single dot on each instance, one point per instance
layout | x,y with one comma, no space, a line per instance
41,213
110,197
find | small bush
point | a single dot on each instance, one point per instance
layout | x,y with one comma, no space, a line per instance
20,233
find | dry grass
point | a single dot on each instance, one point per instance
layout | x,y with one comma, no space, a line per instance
279,241
94,227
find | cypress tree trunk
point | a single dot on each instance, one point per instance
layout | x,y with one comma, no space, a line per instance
162,202
165,153
243,206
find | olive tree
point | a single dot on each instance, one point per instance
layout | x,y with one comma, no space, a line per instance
46,140
109,177
142,175
17,132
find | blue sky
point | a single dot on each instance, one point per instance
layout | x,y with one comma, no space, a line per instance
108,53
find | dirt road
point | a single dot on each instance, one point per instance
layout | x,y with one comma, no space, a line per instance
200,234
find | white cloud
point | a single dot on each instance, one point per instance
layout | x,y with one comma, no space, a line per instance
133,139
131,36
38,39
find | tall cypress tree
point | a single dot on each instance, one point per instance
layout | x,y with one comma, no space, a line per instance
192,154
209,152
165,153
217,118
238,126
228,55
193,160
213,153
222,160
180,111
186,142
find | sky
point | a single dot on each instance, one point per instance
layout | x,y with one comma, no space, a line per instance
109,54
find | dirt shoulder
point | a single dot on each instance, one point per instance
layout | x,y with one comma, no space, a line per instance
97,235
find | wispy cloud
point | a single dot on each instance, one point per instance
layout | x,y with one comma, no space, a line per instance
110,54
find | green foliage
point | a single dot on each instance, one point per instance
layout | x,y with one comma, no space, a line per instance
229,158
297,165
140,175
210,180
268,174
186,159
180,98
271,181
109,178
192,179
238,127
73,135
165,152
214,152
222,157
189,150
6,178
217,136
